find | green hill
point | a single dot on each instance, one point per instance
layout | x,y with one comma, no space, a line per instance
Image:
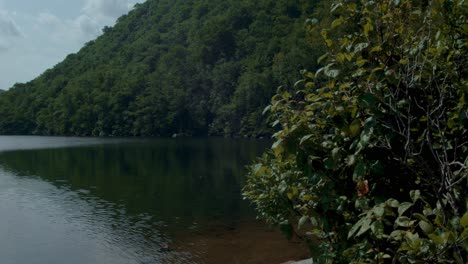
196,67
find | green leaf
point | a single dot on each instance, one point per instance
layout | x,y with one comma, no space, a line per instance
332,73
403,221
307,197
355,127
361,62
341,57
350,160
397,235
439,219
427,211
349,252
415,195
319,71
421,217
402,103
361,203
438,239
355,227
258,169
335,153
337,22
368,28
379,211
305,138
324,56
314,158
464,220
376,49
403,207
451,123
360,47
392,203
267,109
313,221
277,143
304,219
296,84
377,228
335,6
345,85
377,69
282,187
312,21
411,237
366,225
464,234
293,192
426,227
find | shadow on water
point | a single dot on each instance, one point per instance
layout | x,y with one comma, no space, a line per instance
162,201
193,181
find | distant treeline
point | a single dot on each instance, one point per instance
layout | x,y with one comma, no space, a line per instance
195,67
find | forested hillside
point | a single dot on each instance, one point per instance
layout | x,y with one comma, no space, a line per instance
195,67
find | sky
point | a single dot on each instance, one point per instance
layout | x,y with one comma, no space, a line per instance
37,34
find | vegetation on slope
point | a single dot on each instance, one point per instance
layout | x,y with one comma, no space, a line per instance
372,155
185,66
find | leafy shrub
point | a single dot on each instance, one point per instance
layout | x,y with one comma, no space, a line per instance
371,157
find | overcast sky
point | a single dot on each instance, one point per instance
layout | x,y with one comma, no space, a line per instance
37,34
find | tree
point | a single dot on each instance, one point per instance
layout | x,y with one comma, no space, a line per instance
371,157
193,59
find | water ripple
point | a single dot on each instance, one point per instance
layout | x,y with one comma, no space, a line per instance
76,226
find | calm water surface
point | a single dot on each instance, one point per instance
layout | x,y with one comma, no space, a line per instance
85,200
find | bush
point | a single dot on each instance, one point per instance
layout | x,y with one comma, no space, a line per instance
371,157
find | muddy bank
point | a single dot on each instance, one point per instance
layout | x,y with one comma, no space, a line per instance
253,242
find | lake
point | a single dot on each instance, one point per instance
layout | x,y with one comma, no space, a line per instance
92,200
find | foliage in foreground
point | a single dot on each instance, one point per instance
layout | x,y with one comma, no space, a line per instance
371,158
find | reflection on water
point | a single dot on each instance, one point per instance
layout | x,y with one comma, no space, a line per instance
132,201
43,224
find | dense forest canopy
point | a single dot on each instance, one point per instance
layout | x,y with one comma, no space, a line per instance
195,67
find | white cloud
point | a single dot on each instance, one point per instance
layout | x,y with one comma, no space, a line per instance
8,27
3,46
87,25
9,31
99,13
106,8
47,18
33,40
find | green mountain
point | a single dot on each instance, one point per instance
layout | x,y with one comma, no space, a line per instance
196,67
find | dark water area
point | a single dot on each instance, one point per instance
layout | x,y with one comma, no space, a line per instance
88,200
